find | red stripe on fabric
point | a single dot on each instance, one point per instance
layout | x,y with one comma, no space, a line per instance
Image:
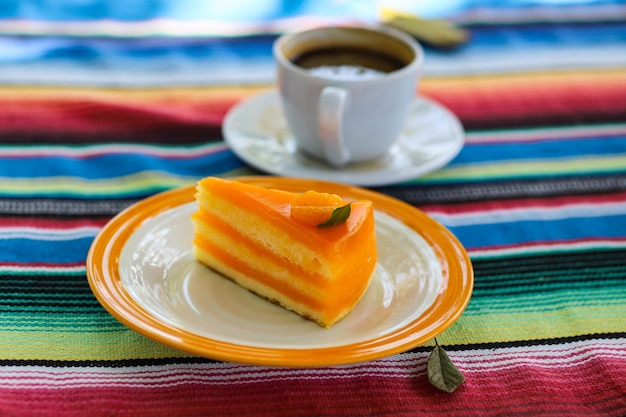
524,389
96,115
510,101
507,100
529,246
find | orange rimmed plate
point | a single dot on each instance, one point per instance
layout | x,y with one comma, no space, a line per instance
141,269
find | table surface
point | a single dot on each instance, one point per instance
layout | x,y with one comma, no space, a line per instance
96,116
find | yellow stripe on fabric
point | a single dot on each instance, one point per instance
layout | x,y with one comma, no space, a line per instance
145,180
191,94
71,346
116,186
176,95
511,326
515,80
521,169
469,329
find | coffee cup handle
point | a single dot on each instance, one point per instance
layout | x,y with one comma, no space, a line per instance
331,107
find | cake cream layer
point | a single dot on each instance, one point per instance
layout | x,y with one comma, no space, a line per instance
212,230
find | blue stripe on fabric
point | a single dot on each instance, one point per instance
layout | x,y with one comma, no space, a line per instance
472,237
189,10
36,251
553,149
259,47
547,34
532,231
116,165
257,11
141,50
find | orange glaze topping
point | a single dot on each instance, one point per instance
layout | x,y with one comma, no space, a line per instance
275,208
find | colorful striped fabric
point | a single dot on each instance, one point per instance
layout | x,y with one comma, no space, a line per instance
537,196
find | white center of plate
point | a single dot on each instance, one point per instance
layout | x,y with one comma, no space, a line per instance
158,270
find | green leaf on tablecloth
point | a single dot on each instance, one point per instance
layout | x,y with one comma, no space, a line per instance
442,373
338,216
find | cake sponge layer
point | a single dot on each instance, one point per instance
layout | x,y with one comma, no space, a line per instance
249,234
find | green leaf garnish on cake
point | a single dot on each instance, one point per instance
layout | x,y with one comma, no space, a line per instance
338,216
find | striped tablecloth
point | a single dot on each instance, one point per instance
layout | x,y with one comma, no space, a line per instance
90,124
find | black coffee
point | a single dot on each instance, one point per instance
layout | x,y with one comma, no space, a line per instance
348,62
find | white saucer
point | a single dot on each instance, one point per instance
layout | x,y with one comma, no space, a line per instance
257,132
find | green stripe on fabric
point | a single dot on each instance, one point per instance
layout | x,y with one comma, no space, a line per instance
51,309
62,322
44,294
54,345
121,344
547,301
555,281
528,263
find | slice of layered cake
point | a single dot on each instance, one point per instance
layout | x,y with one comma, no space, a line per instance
312,253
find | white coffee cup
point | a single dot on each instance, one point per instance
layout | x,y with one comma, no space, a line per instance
340,112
